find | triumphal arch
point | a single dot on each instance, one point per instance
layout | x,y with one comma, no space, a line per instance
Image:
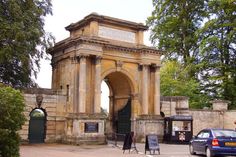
102,48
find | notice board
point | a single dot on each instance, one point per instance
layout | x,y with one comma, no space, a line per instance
151,143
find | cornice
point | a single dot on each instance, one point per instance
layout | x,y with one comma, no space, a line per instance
106,44
106,20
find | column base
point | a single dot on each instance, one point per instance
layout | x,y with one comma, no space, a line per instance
85,129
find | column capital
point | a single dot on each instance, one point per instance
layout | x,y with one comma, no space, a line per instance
81,56
54,64
142,65
98,59
74,60
155,66
111,97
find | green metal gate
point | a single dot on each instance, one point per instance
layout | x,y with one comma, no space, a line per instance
124,115
37,126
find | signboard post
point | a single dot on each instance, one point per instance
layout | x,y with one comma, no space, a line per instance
129,139
152,144
127,142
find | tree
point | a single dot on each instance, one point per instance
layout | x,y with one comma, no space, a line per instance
173,28
176,82
174,24
218,51
23,40
12,118
202,36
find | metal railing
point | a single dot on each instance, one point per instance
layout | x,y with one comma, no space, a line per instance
118,137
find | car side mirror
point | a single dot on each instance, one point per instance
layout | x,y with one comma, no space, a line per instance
194,137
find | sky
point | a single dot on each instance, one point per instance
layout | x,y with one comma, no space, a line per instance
66,12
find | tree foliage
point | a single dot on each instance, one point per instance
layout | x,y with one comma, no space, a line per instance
23,40
218,51
12,118
201,35
176,82
173,25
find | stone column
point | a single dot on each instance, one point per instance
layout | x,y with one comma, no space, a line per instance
54,73
145,90
97,85
82,84
157,91
111,107
134,111
111,114
75,61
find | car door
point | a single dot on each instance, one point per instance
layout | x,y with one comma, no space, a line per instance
203,141
196,141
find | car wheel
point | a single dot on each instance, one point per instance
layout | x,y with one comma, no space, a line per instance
191,150
208,153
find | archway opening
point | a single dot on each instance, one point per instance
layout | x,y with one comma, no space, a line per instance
37,126
105,98
117,101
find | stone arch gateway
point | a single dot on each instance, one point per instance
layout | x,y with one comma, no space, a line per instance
119,117
105,48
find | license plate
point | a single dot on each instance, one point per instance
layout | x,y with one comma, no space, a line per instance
230,144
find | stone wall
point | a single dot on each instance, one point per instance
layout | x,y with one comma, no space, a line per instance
58,128
229,119
54,105
174,105
170,105
218,117
149,125
212,119
205,119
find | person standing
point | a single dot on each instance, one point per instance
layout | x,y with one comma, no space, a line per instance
235,124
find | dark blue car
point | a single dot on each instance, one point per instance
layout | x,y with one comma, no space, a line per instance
213,142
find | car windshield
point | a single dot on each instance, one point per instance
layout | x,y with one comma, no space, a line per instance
224,133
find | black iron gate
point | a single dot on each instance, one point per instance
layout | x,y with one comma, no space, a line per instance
37,126
124,115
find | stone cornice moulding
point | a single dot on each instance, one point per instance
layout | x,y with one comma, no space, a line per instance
105,45
93,50
107,20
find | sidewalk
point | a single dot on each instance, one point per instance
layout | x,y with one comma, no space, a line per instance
110,150
166,150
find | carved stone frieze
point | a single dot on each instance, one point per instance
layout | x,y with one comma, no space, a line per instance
119,63
90,49
39,100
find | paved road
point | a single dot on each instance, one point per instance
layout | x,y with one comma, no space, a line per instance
110,150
